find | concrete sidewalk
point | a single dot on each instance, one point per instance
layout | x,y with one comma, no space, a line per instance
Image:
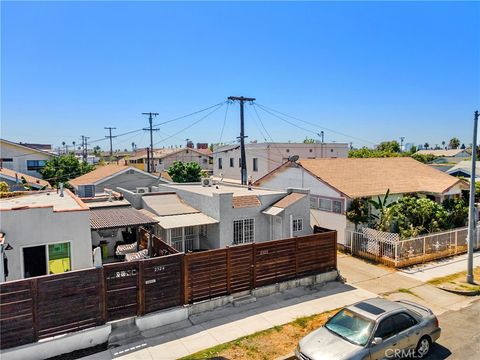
439,268
229,323
396,285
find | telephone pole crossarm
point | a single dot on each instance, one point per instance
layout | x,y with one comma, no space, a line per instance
150,164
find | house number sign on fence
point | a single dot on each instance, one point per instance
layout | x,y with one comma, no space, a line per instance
121,274
264,252
151,281
159,268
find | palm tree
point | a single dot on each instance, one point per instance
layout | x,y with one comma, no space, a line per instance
383,216
443,144
426,145
64,148
454,143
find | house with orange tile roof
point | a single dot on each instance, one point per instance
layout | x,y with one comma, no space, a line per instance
111,177
215,215
334,183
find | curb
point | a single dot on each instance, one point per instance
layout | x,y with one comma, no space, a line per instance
290,356
460,292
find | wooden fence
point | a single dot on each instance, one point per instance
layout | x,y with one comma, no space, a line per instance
41,307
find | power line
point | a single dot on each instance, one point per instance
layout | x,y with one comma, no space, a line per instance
224,122
192,124
266,108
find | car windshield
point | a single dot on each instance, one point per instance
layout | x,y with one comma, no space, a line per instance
350,326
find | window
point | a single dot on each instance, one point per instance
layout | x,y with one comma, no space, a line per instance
325,204
337,206
239,162
243,231
46,259
176,239
385,329
255,164
35,165
6,160
403,321
231,162
288,150
311,150
220,163
297,225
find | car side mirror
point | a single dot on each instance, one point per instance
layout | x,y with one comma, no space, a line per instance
377,341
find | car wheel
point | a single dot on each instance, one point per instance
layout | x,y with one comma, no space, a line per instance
423,347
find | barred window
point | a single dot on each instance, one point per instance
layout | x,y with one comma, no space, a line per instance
337,206
297,225
243,231
313,202
325,204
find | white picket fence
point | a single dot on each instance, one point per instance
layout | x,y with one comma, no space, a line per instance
400,253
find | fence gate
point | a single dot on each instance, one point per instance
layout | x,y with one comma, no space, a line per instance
121,290
240,268
162,283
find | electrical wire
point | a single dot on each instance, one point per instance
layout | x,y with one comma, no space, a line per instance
272,111
224,122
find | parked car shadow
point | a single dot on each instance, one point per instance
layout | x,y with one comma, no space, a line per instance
438,352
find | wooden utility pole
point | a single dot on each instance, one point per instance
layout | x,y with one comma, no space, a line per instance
109,128
150,165
243,167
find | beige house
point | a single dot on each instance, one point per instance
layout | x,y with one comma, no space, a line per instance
265,157
334,183
23,159
14,180
164,158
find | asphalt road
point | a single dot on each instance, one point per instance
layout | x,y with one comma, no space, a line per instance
460,337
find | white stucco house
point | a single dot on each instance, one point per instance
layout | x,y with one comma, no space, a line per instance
334,183
193,217
47,233
446,156
265,157
23,159
464,169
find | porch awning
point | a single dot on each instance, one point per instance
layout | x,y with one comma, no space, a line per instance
177,221
272,210
118,217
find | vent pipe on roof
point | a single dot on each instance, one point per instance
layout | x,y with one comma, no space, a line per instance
61,189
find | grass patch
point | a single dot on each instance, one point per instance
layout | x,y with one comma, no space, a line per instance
458,281
267,344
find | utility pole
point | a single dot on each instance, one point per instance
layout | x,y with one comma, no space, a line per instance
150,165
85,147
401,143
321,135
109,128
472,231
243,167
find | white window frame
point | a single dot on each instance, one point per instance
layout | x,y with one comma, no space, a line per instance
45,245
333,205
247,231
297,224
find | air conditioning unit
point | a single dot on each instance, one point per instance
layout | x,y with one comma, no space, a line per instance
86,191
142,190
207,182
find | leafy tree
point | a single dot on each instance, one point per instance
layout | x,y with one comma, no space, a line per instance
454,143
463,147
62,168
424,158
458,211
389,146
28,187
309,141
4,187
358,212
383,217
181,172
426,145
365,152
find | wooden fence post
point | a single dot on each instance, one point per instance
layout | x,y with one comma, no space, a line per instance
229,270
103,295
34,290
185,279
140,289
296,256
335,250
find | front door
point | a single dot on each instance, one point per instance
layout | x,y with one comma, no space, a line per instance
277,228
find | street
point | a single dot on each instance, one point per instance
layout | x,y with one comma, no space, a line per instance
460,337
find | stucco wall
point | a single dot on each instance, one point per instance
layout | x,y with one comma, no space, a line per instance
127,181
270,156
40,226
20,156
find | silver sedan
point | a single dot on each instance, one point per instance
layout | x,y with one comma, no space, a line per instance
373,329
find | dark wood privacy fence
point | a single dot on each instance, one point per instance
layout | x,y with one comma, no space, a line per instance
37,308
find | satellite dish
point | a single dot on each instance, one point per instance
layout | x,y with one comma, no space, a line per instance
293,158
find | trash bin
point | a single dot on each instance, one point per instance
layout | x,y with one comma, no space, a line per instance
104,247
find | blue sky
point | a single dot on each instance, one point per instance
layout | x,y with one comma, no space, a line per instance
374,71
